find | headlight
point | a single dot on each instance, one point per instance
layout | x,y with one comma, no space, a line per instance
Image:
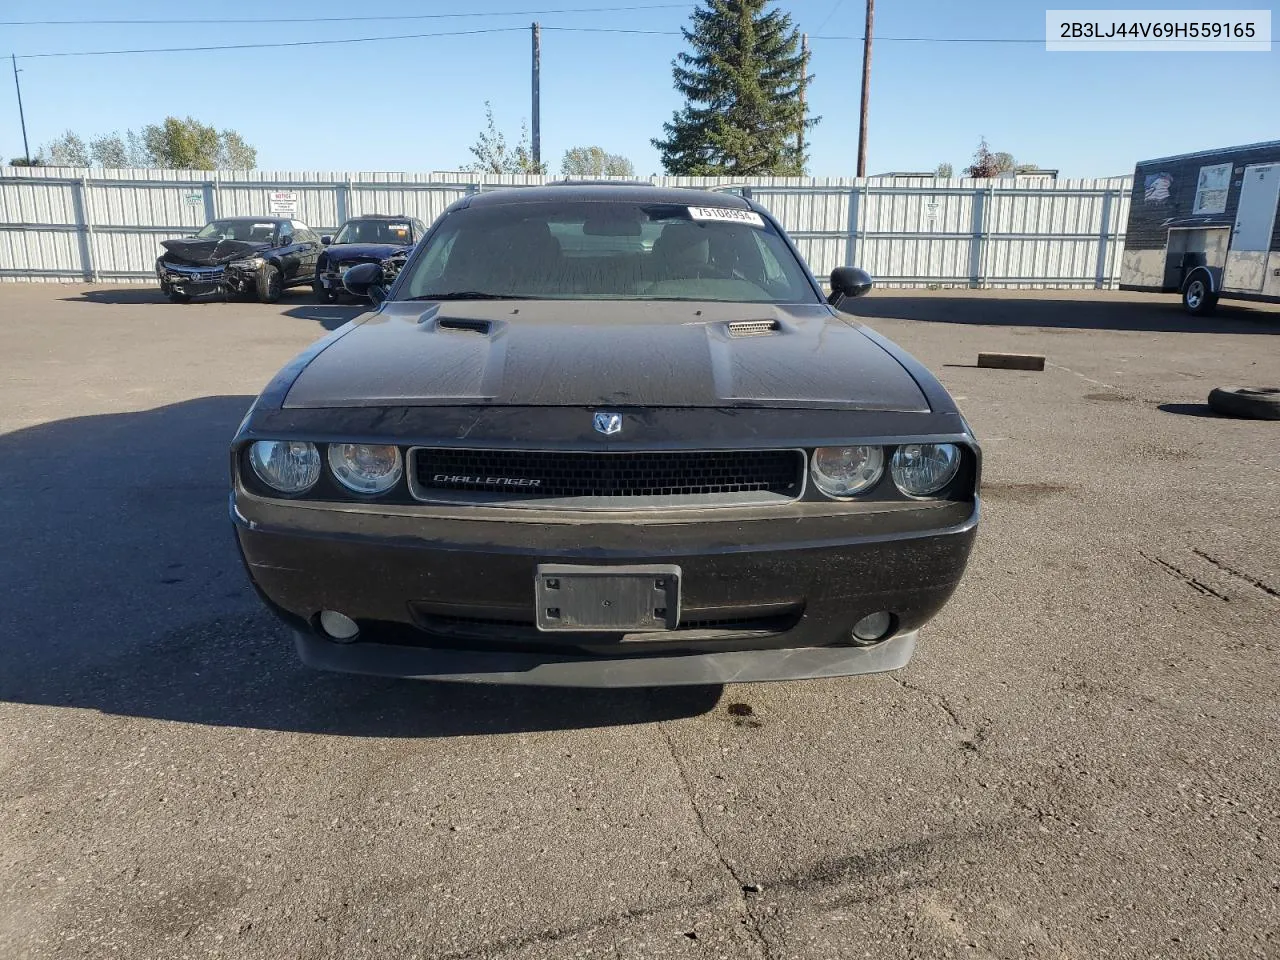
841,472
290,466
365,467
253,263
922,469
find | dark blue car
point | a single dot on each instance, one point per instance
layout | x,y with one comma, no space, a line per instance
373,238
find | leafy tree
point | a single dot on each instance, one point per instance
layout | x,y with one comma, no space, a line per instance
234,153
988,164
945,171
494,156
594,162
741,85
37,161
182,144
113,150
68,150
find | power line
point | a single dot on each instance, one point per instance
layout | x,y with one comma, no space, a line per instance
406,16
279,43
830,13
859,39
475,32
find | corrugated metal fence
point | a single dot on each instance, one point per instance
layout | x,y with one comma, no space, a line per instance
106,225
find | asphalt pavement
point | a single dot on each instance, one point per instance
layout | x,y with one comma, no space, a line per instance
1080,762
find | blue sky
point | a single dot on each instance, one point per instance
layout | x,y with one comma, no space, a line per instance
417,104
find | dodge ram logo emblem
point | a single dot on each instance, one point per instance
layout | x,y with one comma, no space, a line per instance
607,423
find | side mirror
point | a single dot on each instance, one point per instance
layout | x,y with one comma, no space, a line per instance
326,239
365,280
848,282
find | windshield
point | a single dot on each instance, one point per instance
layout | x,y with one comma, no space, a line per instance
375,231
245,230
608,250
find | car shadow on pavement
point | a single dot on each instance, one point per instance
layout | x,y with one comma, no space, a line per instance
1085,313
331,316
123,592
122,295
130,295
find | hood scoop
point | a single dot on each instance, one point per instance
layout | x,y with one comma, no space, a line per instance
431,319
466,325
753,328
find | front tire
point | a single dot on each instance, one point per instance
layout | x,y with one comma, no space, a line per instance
1197,299
270,283
324,294
175,297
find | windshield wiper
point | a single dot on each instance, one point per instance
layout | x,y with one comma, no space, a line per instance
469,295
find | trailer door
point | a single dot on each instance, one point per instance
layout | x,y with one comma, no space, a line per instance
1251,240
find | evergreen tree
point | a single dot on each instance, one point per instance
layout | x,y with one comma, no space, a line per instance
742,86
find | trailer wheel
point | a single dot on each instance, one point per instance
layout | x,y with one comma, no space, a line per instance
1197,298
1255,403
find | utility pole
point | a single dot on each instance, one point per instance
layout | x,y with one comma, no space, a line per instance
537,96
866,90
804,80
26,151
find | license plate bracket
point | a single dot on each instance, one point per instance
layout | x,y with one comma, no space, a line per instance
629,599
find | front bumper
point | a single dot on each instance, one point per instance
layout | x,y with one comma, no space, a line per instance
330,278
197,281
765,597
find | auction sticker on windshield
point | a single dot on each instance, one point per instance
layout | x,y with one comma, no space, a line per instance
726,214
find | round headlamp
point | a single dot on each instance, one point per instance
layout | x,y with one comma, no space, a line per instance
289,466
365,467
922,469
841,472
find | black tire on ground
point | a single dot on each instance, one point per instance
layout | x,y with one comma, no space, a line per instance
324,294
270,283
175,297
1197,298
1255,403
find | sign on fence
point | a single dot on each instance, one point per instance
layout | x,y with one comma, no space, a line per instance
284,202
193,199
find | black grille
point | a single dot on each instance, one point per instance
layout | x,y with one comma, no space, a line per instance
544,474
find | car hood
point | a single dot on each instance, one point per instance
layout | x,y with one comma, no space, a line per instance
209,252
362,251
598,353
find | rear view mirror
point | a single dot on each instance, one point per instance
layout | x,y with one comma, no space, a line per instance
847,282
611,227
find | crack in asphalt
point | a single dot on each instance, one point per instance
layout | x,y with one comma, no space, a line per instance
976,734
749,918
557,934
937,699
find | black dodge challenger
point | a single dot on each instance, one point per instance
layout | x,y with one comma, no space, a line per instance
605,436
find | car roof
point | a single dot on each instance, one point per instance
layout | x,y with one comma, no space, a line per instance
253,219
607,191
381,216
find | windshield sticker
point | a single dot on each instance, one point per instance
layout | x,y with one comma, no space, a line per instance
726,215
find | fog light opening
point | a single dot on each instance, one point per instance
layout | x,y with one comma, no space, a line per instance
873,628
338,626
